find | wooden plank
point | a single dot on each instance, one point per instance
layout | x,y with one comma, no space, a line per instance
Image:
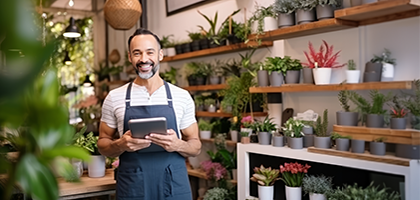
396,16
311,28
377,10
217,50
205,87
228,142
220,114
396,136
389,159
87,184
333,87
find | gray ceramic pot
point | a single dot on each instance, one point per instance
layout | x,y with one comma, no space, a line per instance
324,12
375,121
305,16
377,148
262,78
371,77
407,151
347,118
308,130
278,141
295,143
286,20
292,76
322,142
214,80
276,79
398,123
308,140
342,144
357,146
373,72
308,77
264,138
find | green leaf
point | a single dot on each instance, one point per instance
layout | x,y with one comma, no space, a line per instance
69,152
36,179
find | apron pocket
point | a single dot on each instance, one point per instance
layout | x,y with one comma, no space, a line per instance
130,183
176,180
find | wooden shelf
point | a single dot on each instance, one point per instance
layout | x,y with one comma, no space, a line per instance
389,159
205,87
397,136
333,87
228,142
219,114
380,11
217,50
311,28
201,174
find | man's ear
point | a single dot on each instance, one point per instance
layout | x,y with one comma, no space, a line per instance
129,56
160,54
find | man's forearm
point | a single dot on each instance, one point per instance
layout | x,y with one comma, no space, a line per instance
190,148
109,148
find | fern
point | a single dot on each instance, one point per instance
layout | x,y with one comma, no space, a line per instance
322,125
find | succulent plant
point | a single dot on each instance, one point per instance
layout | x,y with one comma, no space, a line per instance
265,176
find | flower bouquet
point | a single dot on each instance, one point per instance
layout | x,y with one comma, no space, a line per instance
293,173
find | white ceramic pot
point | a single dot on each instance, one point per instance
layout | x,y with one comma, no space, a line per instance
322,76
293,193
270,23
234,135
205,134
387,70
353,76
249,130
96,167
170,51
315,196
265,192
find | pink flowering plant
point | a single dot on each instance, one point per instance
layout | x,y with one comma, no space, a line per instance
247,122
214,170
293,173
116,163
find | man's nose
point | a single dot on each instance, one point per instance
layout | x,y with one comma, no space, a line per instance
144,57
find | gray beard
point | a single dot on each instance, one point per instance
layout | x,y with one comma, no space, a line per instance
150,74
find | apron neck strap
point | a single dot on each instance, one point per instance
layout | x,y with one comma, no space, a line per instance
128,94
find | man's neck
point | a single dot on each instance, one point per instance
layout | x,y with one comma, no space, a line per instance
151,84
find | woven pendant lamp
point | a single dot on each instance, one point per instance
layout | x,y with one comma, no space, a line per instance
122,14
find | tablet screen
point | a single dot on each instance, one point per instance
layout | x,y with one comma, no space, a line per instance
142,127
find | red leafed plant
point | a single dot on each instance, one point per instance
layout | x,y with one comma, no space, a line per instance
398,113
324,58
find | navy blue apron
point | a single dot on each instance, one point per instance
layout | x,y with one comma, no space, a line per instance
152,175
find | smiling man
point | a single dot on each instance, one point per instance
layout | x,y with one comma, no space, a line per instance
143,174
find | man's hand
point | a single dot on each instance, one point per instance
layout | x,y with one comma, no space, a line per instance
169,142
130,144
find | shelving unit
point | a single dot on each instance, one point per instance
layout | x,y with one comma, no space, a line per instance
201,174
352,17
205,87
228,142
217,114
397,136
217,50
333,87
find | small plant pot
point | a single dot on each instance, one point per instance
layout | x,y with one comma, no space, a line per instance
265,192
214,80
375,121
245,140
377,148
305,16
293,193
407,151
357,146
308,76
322,142
178,49
170,51
186,47
205,134
234,135
322,76
278,141
270,23
324,12
286,20
201,80
211,108
308,140
295,143
347,118
342,144
262,78
315,196
398,123
276,79
308,130
373,72
195,45
353,76
371,77
204,43
264,138
292,76
96,167
387,70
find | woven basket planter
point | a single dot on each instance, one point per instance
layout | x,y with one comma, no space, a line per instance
122,14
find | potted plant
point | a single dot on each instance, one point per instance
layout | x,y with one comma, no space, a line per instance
292,175
318,187
235,127
196,73
274,67
168,46
262,75
387,63
321,63
293,131
342,143
293,67
263,19
308,131
322,139
378,146
264,130
352,74
373,110
285,12
114,72
397,114
216,72
169,76
346,117
210,105
325,8
96,167
205,128
305,11
353,192
265,177
195,40
211,34
216,193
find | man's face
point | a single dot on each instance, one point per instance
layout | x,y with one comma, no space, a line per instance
145,55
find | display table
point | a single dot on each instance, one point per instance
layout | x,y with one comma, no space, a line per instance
411,173
88,187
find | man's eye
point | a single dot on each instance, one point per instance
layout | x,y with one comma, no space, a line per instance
149,53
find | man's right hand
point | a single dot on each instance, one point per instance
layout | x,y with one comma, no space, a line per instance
130,144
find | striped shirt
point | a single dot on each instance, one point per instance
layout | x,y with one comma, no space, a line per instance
113,108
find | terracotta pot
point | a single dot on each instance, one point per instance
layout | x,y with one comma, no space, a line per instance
245,140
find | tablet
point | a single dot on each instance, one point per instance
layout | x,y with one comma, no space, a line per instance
142,127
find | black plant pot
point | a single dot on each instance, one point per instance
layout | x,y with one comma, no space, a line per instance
347,118
373,72
201,80
204,43
186,47
192,81
233,39
178,49
195,45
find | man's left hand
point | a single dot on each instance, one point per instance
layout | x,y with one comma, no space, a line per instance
170,142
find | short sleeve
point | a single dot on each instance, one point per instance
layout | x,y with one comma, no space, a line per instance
108,115
189,113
